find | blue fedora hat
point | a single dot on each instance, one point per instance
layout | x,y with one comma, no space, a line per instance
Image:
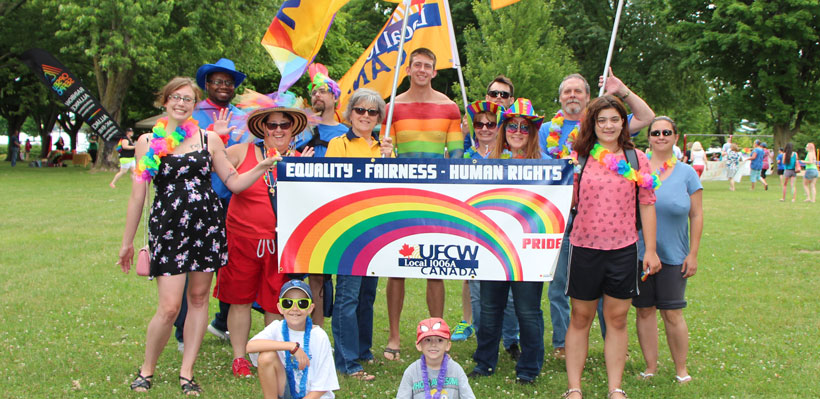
223,65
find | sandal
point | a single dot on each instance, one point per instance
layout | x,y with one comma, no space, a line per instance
617,390
684,379
190,387
570,392
394,353
143,383
645,376
362,376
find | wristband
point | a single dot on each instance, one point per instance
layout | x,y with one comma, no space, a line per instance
628,92
295,348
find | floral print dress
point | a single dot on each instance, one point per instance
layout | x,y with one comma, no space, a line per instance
186,229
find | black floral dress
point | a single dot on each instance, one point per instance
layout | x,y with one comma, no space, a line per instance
187,229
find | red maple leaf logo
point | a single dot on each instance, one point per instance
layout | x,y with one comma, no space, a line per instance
406,250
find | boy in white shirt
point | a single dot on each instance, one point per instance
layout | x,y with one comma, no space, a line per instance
291,364
435,375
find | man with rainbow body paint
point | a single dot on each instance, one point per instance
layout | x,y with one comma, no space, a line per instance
426,124
556,137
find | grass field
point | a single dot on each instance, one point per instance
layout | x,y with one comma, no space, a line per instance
73,325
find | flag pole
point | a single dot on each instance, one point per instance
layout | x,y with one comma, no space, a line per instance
611,45
396,69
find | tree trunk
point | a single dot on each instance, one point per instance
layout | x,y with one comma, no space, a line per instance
112,94
782,135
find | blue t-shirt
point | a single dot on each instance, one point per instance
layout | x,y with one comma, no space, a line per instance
672,209
566,128
780,165
326,133
757,163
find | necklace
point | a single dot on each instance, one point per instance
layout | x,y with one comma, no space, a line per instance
291,365
622,167
666,165
442,374
554,146
163,143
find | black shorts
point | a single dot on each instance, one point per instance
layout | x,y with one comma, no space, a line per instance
594,272
763,172
780,172
663,290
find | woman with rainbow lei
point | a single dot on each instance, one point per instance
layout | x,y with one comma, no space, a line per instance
252,273
187,233
603,253
679,212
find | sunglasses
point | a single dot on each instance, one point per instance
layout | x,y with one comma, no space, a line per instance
301,303
361,111
481,125
499,93
522,128
666,133
284,125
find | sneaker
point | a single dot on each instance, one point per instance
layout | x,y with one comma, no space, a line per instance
181,346
514,351
219,333
241,368
462,331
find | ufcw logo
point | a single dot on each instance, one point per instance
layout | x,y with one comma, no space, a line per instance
451,260
59,81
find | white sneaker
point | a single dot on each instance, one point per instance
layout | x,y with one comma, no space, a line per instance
219,333
181,347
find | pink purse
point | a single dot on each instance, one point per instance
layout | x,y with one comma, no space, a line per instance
144,262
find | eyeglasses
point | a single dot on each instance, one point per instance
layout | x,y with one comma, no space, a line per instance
665,132
361,111
221,82
499,93
302,303
178,98
616,120
480,125
320,90
522,128
284,125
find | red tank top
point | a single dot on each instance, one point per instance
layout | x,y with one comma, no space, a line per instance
249,213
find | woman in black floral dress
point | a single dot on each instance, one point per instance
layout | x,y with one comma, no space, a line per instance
187,232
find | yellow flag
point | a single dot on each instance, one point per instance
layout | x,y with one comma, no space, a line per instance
427,26
496,4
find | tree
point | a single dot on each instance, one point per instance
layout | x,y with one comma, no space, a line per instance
535,61
767,52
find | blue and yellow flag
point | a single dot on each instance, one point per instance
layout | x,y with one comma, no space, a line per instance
296,34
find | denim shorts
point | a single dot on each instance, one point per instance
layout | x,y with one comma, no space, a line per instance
810,174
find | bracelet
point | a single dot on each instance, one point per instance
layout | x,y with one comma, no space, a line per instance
628,92
295,348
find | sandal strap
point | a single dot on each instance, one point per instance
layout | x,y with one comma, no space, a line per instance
572,391
190,386
142,381
617,390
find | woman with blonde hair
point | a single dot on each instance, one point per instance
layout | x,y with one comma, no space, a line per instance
810,178
698,158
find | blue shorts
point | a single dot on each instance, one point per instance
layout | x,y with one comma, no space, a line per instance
754,175
810,174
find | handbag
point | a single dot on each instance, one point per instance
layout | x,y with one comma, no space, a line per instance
144,256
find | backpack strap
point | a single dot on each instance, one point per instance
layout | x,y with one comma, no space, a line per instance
632,158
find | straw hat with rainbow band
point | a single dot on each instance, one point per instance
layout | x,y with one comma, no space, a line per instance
478,107
319,79
523,107
259,106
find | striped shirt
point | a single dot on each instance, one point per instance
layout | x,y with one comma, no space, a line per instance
423,130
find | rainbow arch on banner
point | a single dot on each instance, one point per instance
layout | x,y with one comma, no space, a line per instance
535,213
343,236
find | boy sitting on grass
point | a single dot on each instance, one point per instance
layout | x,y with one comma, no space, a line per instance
435,375
292,364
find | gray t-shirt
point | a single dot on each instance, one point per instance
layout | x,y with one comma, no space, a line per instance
456,385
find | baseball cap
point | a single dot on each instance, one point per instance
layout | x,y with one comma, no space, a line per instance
434,326
295,284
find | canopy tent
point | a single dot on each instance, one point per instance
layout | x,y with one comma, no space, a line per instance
148,123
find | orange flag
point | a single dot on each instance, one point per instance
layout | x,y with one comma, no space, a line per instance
496,4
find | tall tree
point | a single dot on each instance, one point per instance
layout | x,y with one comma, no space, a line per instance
520,42
766,51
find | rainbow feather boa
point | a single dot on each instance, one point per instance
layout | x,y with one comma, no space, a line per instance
649,181
554,149
163,143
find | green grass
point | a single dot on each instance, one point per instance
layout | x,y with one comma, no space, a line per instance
73,325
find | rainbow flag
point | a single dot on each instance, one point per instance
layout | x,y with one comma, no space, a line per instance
496,4
296,34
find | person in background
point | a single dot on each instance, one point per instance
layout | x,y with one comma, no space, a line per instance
810,177
127,162
28,150
733,160
790,169
679,210
14,148
767,156
92,148
756,165
699,162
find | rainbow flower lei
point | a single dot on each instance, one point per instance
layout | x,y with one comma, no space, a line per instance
666,165
163,143
622,167
553,148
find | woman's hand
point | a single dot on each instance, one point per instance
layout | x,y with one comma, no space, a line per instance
690,266
269,162
221,122
651,262
126,257
308,151
387,147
